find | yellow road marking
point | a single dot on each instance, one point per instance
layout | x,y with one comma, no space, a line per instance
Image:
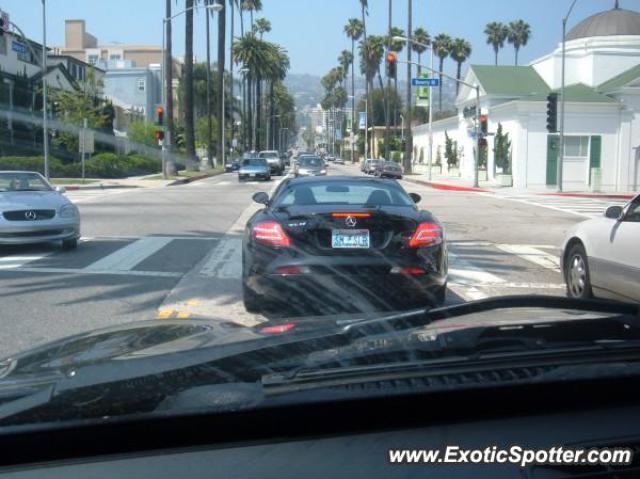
183,314
164,313
193,302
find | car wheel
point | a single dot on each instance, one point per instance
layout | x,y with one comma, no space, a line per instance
577,273
400,177
251,300
69,244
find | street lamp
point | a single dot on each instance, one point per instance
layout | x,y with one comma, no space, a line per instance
430,48
167,89
564,40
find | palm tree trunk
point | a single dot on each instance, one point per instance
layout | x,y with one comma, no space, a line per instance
168,78
189,133
258,113
233,98
249,110
272,119
419,64
440,67
208,106
367,92
353,93
459,72
516,56
222,28
495,49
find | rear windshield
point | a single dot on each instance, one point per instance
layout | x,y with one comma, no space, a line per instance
254,162
268,154
343,193
310,161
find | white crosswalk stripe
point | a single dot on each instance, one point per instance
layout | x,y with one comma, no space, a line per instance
583,207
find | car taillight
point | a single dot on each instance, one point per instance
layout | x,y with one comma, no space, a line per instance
408,270
293,270
278,329
270,233
427,234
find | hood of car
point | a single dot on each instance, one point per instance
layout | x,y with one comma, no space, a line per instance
19,200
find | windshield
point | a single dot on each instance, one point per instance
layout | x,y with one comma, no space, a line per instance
200,178
22,182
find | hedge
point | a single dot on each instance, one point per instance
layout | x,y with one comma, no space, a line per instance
103,165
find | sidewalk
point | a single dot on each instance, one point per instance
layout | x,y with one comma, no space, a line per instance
459,184
147,181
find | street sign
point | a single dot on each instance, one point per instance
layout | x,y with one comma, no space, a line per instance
362,120
86,141
425,81
422,93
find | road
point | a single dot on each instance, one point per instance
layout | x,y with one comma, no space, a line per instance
174,252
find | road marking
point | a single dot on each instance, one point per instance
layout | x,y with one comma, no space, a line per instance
465,273
127,258
225,261
469,293
164,313
533,255
17,261
159,274
183,315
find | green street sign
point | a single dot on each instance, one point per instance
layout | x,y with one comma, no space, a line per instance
422,93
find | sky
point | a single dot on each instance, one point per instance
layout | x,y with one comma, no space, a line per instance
312,30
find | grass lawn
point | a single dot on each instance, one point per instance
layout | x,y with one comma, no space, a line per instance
188,174
71,181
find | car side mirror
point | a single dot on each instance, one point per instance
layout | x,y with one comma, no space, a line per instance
415,197
60,189
614,212
261,197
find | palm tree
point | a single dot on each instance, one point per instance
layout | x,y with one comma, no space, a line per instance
262,26
519,35
252,6
496,33
222,28
460,51
353,29
345,60
168,61
189,127
420,36
396,45
441,48
371,54
364,8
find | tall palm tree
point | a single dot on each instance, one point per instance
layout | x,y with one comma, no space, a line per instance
222,28
364,9
441,48
262,26
460,51
421,36
168,79
519,35
396,45
345,60
496,33
353,29
371,54
189,128
252,6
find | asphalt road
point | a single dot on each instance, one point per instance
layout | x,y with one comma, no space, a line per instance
174,252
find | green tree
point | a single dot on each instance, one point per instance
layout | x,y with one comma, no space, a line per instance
460,51
496,33
251,6
262,26
502,150
143,133
450,151
421,37
345,60
353,29
519,35
377,106
441,48
396,45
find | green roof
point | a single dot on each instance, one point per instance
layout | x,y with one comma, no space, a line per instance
514,81
620,80
577,92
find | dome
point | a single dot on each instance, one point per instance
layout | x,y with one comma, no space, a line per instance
616,21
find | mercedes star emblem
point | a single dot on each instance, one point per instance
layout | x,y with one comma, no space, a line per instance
350,221
30,215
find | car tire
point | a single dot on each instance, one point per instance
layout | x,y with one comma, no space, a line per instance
69,244
251,300
577,276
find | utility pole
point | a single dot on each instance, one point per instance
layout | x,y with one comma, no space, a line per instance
387,112
560,160
45,126
209,120
408,152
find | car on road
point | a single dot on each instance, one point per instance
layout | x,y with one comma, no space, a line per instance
371,166
388,169
33,211
601,256
273,159
232,165
330,158
342,241
339,161
254,169
309,166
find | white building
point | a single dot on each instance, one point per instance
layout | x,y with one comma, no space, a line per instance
602,121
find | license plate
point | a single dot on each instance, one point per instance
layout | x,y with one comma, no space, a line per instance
252,174
350,239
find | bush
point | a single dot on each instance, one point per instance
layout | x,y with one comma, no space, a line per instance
103,165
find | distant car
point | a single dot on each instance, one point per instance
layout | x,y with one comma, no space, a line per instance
273,159
33,211
339,161
232,165
254,169
310,166
600,256
330,158
371,166
388,169
364,165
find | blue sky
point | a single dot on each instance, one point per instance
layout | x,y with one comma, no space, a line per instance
312,30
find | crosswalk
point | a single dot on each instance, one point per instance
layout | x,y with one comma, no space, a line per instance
578,206
88,195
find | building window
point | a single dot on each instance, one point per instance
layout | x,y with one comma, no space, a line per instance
141,84
93,59
3,45
115,56
576,146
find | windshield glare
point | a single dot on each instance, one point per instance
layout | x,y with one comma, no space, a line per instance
204,183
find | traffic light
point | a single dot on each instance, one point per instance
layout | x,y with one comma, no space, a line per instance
159,135
392,64
552,112
484,125
160,116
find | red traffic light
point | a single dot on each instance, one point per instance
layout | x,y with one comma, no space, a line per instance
159,135
160,115
392,57
392,62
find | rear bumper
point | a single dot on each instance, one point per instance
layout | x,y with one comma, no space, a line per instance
256,176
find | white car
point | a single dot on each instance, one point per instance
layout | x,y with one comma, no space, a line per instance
601,257
33,211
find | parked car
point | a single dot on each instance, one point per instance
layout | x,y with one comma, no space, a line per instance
232,165
388,169
273,159
601,257
330,158
339,161
33,211
372,165
364,165
322,234
254,168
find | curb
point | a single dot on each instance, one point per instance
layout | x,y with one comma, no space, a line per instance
447,186
194,178
101,187
612,196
